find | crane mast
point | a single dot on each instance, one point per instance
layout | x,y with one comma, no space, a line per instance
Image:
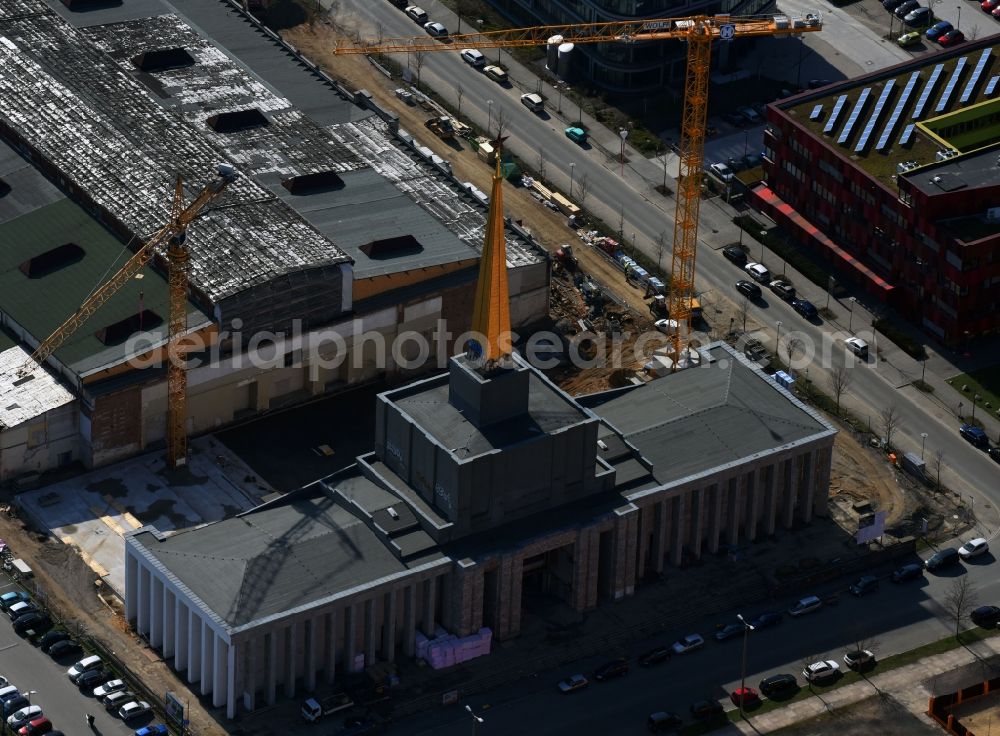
699,31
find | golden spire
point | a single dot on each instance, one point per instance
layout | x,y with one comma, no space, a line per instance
491,314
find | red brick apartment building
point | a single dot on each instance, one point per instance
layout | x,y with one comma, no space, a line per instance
893,179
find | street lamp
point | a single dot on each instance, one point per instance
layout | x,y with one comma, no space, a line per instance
777,337
747,628
975,398
28,693
959,24
489,124
476,720
571,167
850,323
623,134
923,439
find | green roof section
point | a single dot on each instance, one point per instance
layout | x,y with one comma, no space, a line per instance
41,304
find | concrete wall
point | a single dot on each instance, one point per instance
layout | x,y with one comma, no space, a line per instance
46,442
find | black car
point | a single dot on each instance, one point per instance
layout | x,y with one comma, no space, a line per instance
663,722
705,710
768,618
612,669
14,705
863,585
776,686
24,611
35,621
46,642
729,631
911,571
943,558
748,289
994,453
736,254
904,9
737,120
92,678
986,616
655,656
805,308
64,648
817,83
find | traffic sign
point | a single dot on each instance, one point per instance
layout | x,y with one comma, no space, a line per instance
727,32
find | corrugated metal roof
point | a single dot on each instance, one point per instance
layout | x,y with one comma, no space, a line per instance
21,400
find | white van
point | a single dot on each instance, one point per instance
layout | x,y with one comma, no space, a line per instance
86,664
474,57
533,102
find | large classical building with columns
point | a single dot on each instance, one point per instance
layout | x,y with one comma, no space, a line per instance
479,487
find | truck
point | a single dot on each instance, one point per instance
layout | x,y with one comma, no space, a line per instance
313,710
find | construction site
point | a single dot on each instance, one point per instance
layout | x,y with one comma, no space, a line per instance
327,217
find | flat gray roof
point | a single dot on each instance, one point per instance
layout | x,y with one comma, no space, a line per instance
700,419
979,169
277,557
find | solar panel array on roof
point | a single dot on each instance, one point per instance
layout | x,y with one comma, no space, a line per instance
873,119
837,107
890,124
855,112
992,85
952,81
976,74
816,112
918,111
907,134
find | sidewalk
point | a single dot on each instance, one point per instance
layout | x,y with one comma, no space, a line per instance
910,685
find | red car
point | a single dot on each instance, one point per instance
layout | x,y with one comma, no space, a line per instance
989,5
750,696
35,727
996,13
953,37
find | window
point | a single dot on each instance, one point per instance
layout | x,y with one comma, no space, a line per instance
118,332
52,260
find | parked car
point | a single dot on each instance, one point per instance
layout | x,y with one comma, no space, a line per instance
655,656
689,643
806,308
857,346
474,57
663,722
114,701
776,686
758,272
133,710
23,717
46,642
22,608
821,671
902,10
909,39
919,17
416,13
91,679
859,659
973,548
86,664
891,5
533,102
36,727
573,683
667,326
64,648
989,5
986,616
783,289
35,621
111,686
942,558
497,74
864,585
729,631
752,160
748,694
911,571
748,289
612,669
994,453
952,38
806,605
8,691
766,619
937,30
15,596
752,116
975,435
154,729
435,29
817,83
734,118
705,710
722,171
736,254
577,135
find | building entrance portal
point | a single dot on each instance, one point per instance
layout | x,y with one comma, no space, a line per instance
548,577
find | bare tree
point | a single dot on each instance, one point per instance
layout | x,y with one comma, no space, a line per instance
937,460
380,35
419,57
458,14
459,93
661,244
792,347
621,222
541,162
664,159
581,190
501,121
840,381
960,601
889,419
743,311
974,32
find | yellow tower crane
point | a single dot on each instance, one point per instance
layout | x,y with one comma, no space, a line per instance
699,31
175,234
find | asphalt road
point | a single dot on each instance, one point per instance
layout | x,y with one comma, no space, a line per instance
873,386
62,702
897,617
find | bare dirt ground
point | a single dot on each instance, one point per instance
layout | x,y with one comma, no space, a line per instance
980,715
860,474
69,589
872,716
